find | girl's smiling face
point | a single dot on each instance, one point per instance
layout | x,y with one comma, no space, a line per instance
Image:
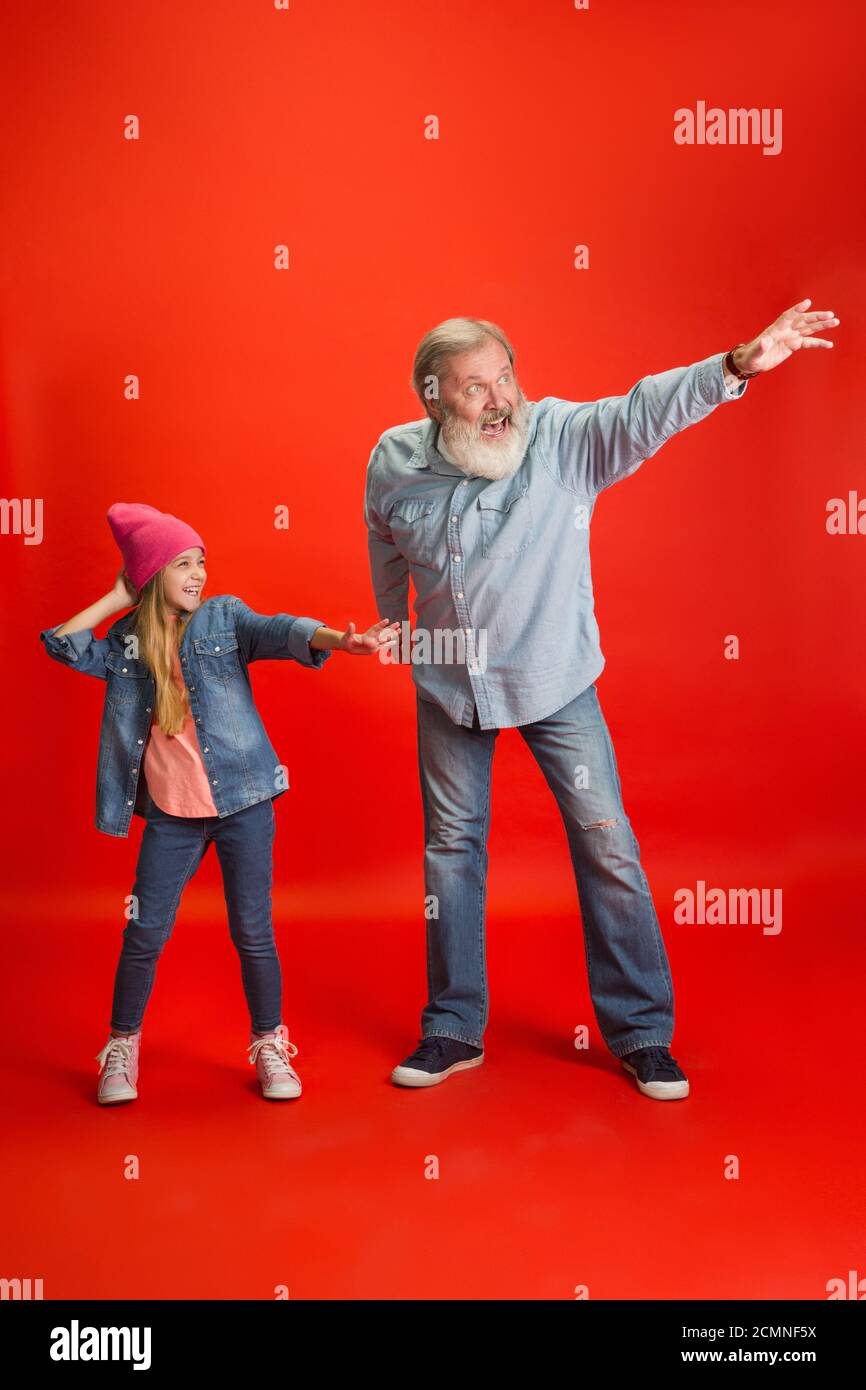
184,580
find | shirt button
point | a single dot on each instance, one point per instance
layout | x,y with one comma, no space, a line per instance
454,519
214,781
147,711
465,482
455,559
141,740
459,595
207,750
129,803
125,669
216,649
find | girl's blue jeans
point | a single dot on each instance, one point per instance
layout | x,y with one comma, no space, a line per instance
172,847
627,966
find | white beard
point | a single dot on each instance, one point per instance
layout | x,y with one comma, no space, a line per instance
483,457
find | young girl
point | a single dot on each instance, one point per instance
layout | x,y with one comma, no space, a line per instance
183,746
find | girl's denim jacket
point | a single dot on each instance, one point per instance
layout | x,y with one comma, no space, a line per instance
222,637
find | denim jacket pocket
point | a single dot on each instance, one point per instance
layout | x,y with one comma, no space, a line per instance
411,526
218,657
125,675
506,520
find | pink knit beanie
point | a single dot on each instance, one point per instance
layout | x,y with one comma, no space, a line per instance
148,539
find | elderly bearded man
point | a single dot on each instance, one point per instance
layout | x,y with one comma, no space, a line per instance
486,503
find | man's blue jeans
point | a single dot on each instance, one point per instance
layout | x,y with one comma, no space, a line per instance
629,977
172,847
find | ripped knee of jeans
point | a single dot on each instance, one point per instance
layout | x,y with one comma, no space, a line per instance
599,824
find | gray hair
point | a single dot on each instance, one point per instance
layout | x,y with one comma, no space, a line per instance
449,339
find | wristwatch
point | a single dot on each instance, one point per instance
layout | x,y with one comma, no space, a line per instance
730,366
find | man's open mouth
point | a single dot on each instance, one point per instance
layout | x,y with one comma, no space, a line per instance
497,429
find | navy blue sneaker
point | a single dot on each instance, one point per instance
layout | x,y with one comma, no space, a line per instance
657,1072
434,1059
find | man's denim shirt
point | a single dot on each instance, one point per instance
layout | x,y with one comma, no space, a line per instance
507,561
221,638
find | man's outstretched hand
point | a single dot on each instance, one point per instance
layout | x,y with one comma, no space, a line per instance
792,330
380,635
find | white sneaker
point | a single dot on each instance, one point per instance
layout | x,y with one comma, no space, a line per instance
272,1053
118,1069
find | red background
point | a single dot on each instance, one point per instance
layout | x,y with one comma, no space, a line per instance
262,388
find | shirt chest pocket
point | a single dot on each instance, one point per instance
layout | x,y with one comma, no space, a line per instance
126,676
218,657
506,520
411,524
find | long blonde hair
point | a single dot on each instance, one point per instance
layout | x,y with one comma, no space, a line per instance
159,638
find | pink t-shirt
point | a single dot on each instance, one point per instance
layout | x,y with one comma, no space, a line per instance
176,775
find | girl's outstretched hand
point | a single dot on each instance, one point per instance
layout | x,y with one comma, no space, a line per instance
381,634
